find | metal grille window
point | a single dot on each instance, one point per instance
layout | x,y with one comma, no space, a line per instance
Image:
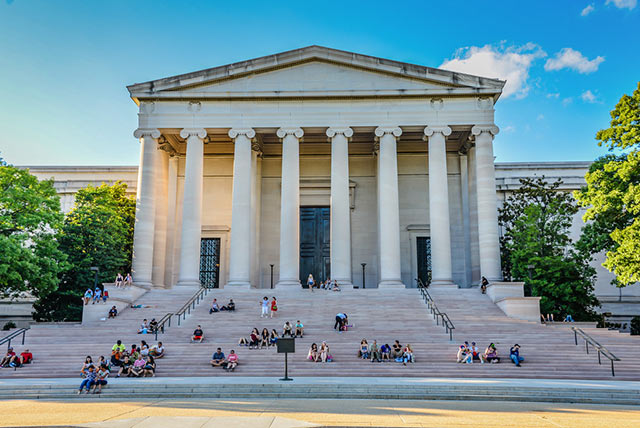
210,262
424,259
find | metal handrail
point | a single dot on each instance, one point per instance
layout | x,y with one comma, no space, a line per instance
8,338
164,320
437,315
588,340
191,303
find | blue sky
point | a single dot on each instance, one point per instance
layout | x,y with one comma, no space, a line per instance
64,65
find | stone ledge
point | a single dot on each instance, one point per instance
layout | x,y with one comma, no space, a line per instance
500,290
522,308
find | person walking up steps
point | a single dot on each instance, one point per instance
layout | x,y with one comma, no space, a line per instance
265,307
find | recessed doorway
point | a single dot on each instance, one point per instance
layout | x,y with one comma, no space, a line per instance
315,245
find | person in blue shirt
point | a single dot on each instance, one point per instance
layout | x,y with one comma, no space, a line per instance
218,358
89,381
514,353
96,295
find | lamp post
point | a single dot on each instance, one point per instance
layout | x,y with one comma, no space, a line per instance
363,279
271,265
95,271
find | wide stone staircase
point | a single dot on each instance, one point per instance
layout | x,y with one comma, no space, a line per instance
384,315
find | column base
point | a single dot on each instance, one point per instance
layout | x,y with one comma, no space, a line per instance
442,283
188,283
288,283
238,285
143,284
389,284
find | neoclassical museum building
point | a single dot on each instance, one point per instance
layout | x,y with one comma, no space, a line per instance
317,161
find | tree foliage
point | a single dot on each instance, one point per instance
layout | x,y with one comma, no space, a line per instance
612,194
97,232
30,219
536,248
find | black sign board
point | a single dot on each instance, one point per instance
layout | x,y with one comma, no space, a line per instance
286,346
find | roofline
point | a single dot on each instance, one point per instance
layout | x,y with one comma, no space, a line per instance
314,52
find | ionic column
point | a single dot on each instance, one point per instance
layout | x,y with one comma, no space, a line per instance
240,251
143,235
487,203
290,207
340,206
388,208
172,193
466,230
439,206
189,274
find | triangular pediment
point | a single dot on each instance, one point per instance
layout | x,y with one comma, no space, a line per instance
316,72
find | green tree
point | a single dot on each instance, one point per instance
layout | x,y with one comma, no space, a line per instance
97,232
612,194
536,248
30,219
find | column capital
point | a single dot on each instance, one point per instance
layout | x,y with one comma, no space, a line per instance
342,130
490,127
430,130
290,130
383,130
165,145
144,132
248,132
193,132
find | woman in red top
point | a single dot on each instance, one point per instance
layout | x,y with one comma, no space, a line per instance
274,306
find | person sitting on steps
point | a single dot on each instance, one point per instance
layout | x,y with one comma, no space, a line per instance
491,354
484,285
299,329
273,337
325,356
385,352
231,306
396,351
232,361
464,356
407,355
254,339
198,335
313,353
157,351
475,353
214,307
374,352
218,359
514,354
287,329
363,352
113,312
264,338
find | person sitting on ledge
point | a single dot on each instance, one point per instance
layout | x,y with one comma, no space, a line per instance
313,353
229,307
157,351
287,329
568,318
88,295
374,352
363,352
299,329
484,285
101,379
88,362
491,354
310,282
336,287
113,312
89,381
514,354
385,352
325,356
264,338
214,306
218,359
232,361
549,317
198,335
273,337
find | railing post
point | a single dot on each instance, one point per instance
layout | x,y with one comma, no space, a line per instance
613,373
575,335
170,320
450,335
586,345
599,362
23,333
9,345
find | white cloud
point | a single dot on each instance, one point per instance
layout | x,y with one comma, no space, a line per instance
540,117
624,4
553,95
589,97
509,128
587,10
567,101
506,63
570,58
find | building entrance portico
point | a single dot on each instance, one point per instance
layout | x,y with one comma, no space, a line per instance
316,161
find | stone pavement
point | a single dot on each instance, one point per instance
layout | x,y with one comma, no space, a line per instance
302,413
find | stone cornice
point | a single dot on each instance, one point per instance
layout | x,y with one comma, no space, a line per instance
430,130
247,132
337,130
396,131
479,129
284,131
146,132
193,132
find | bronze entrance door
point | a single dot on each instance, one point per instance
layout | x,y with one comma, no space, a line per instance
423,246
210,262
315,232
